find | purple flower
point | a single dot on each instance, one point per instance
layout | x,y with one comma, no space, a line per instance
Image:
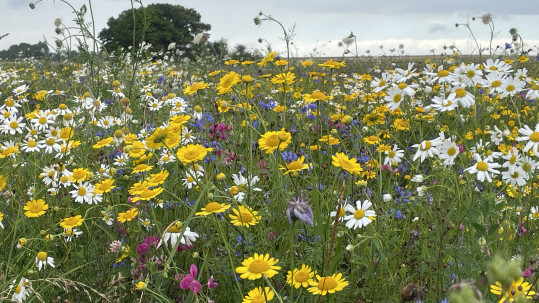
211,283
189,281
143,248
527,273
299,208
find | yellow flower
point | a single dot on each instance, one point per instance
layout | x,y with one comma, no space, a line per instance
80,174
104,186
147,194
136,149
328,284
307,63
157,179
141,285
350,165
191,90
128,215
329,139
254,267
333,64
517,288
141,168
163,136
269,58
270,141
371,140
213,208
282,78
3,182
192,153
71,222
295,166
227,82
103,142
244,216
300,277
258,295
35,208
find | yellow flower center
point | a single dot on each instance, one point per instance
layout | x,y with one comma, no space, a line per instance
258,266
426,146
513,159
482,166
397,98
32,143
301,276
14,124
191,155
382,83
174,229
18,289
327,283
234,190
42,120
359,214
295,165
212,206
62,106
68,116
258,299
246,217
470,74
9,102
451,151
82,191
535,137
64,179
510,88
42,256
443,73
391,154
35,208
272,140
403,85
496,83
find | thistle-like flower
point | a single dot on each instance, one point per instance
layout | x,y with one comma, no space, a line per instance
298,208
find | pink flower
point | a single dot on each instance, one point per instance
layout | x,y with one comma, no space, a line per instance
211,283
189,281
527,273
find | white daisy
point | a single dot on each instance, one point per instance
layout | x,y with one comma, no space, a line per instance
394,155
534,213
242,185
173,234
532,136
361,214
20,290
517,177
83,192
42,260
449,151
427,148
483,168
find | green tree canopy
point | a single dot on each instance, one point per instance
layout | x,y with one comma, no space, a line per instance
157,24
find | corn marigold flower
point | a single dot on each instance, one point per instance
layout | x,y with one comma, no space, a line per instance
191,90
516,289
254,267
328,284
282,78
213,208
104,186
128,215
227,82
244,216
300,277
270,141
192,153
348,164
141,285
259,295
295,166
35,208
71,222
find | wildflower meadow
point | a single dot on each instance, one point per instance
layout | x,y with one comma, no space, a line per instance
139,177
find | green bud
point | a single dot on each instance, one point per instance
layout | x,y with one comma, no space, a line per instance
504,272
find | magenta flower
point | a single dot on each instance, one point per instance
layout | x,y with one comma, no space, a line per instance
189,281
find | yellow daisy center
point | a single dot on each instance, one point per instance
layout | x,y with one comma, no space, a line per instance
496,83
327,283
82,191
482,166
42,256
13,124
470,74
451,151
426,146
397,98
272,140
258,266
246,217
359,214
301,276
212,206
535,137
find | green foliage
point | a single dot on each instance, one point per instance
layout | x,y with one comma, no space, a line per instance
157,24
504,272
25,50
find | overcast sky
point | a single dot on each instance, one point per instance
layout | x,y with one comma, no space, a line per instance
420,25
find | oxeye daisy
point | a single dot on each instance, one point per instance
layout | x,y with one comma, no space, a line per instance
259,295
1,219
42,260
532,136
394,155
361,214
35,208
449,151
173,234
244,216
20,290
483,168
213,208
427,148
328,284
254,267
83,192
300,277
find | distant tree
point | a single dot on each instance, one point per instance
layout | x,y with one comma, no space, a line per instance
157,24
240,52
25,50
